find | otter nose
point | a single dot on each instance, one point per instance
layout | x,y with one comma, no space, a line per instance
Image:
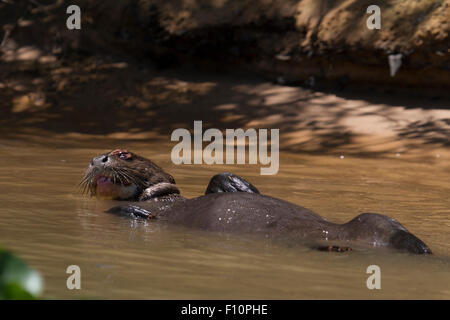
99,161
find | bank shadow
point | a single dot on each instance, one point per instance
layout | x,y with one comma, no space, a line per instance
83,94
108,96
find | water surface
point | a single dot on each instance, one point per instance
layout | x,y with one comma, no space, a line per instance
45,219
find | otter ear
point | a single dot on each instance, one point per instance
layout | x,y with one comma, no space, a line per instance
159,190
228,182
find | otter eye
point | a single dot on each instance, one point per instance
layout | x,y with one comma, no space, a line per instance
124,156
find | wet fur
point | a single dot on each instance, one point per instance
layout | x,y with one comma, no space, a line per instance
233,205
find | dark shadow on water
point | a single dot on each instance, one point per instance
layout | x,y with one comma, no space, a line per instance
102,96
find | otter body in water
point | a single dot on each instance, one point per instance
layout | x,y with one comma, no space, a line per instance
232,205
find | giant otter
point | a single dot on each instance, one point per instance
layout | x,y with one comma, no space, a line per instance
231,204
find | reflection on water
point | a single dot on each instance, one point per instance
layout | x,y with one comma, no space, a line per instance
45,220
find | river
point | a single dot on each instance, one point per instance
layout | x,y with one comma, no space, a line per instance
46,220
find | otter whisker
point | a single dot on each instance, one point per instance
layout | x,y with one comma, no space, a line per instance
127,177
124,176
118,176
132,179
84,188
86,182
86,178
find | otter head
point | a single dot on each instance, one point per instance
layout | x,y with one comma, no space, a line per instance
123,175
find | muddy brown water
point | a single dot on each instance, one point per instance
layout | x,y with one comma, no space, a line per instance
45,220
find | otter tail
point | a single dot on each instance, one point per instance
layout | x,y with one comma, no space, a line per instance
381,230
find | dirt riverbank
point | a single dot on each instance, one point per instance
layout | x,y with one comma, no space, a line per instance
153,69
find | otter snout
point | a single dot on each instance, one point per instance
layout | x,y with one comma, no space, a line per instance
100,161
